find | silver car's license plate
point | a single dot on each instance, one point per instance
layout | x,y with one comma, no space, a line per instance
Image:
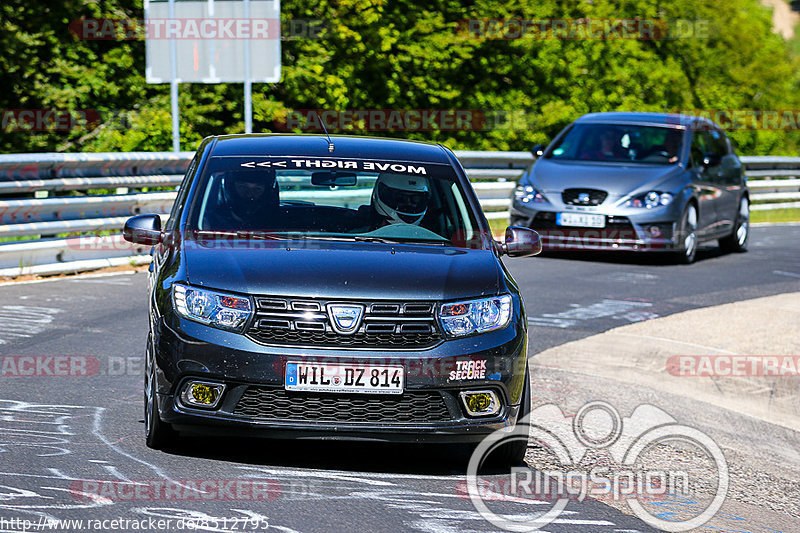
324,377
583,220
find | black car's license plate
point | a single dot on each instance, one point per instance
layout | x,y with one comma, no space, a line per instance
324,377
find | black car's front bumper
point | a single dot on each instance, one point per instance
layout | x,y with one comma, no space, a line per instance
189,351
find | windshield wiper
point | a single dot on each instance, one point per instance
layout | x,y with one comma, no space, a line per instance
214,233
259,235
367,238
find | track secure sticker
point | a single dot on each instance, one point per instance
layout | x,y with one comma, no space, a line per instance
312,164
475,369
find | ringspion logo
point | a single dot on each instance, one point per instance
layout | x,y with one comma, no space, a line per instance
597,432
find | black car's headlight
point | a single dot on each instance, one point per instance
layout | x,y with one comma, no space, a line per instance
476,316
650,200
528,194
214,308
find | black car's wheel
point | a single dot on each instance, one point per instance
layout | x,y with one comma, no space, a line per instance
512,452
687,236
158,434
737,240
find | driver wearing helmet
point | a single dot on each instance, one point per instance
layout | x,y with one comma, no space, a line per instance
400,199
247,201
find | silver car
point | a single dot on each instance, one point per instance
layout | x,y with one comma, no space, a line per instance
653,182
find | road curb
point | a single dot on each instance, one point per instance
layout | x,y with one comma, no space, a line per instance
638,354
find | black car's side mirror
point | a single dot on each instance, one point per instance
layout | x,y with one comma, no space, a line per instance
711,160
538,150
521,242
143,229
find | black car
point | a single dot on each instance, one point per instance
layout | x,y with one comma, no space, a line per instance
651,182
344,287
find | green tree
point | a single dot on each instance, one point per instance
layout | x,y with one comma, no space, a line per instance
399,54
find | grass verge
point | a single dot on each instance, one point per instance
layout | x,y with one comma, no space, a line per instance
790,214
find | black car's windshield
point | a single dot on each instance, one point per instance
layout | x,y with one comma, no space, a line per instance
619,143
333,199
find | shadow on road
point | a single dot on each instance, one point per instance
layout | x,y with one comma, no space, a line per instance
632,258
375,457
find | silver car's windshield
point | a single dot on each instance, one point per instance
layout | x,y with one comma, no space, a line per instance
311,198
619,143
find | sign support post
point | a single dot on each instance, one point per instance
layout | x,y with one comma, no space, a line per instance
248,84
173,85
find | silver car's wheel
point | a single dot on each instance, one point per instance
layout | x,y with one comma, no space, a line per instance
687,235
737,240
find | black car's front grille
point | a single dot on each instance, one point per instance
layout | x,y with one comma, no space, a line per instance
277,405
583,196
306,322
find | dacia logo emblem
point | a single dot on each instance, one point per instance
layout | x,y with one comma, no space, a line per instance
345,319
584,198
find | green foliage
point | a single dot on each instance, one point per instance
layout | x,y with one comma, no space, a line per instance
377,54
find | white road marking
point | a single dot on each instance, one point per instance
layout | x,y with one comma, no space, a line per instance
617,309
782,273
663,339
22,321
69,278
123,281
430,511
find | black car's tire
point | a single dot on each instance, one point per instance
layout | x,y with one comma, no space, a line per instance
736,242
687,236
158,434
512,451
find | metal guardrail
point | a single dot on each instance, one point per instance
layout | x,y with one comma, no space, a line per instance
36,222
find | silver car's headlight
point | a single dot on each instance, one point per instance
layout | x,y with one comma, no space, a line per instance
475,316
650,200
528,194
214,308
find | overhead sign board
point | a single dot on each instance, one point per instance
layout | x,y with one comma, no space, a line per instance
212,41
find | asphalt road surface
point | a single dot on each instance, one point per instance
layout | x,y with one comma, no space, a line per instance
62,433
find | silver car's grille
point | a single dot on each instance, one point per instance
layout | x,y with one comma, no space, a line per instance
583,196
307,322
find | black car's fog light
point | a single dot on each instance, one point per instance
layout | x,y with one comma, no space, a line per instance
202,394
481,402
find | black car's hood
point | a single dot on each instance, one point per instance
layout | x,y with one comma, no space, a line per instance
341,270
616,179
